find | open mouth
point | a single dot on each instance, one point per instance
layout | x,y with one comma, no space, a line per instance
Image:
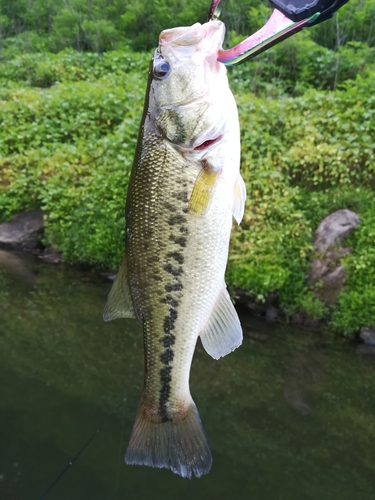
207,144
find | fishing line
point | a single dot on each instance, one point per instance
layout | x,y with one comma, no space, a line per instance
121,451
71,462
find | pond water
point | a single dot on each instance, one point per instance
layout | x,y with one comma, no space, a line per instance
289,415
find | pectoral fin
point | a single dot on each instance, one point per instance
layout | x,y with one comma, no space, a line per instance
239,199
222,333
119,303
202,191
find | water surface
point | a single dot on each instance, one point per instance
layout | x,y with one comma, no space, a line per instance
289,415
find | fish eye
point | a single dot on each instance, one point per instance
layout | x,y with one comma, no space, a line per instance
161,69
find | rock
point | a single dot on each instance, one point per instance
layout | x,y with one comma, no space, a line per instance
266,308
331,285
324,266
23,231
327,274
334,229
109,275
368,335
51,255
306,320
272,313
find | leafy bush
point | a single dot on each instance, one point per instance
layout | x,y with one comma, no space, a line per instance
100,25
45,69
68,114
302,159
353,22
68,149
299,63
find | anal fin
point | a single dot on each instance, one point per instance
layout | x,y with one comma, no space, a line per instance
222,333
119,303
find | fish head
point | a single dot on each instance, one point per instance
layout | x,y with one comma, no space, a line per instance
189,92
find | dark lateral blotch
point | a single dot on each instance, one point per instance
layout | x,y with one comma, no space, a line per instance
175,271
168,324
176,219
177,256
176,287
180,240
182,196
165,374
168,340
167,356
171,301
170,207
173,314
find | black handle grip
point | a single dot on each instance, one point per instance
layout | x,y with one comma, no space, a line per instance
296,10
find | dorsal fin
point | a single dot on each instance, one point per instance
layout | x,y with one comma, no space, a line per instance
222,333
119,303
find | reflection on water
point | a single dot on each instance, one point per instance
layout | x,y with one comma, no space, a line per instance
289,415
304,371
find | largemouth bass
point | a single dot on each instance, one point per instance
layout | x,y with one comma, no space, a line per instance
184,188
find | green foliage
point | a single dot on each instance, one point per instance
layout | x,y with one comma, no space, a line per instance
353,22
80,24
70,113
313,306
99,25
356,306
82,188
69,150
142,20
69,124
75,29
45,69
298,64
302,159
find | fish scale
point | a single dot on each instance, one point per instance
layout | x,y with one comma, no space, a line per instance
163,283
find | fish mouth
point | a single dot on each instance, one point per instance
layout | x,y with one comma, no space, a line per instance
183,36
210,137
207,143
210,36
199,146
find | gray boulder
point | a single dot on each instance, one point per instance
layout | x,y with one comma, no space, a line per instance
334,229
327,274
23,231
368,335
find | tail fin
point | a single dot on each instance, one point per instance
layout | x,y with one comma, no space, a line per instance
179,444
